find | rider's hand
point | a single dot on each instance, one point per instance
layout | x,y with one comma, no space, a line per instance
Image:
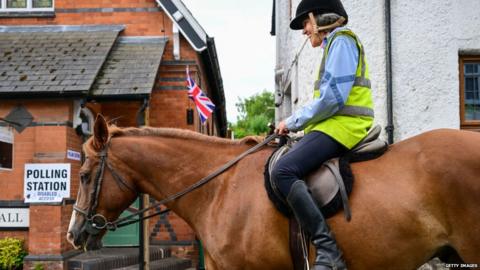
281,128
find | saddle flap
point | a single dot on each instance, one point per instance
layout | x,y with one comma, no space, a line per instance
322,183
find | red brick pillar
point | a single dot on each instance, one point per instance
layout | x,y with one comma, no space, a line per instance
45,237
47,245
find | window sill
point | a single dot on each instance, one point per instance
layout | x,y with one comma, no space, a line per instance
27,14
470,127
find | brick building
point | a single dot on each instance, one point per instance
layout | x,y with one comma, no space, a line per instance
64,61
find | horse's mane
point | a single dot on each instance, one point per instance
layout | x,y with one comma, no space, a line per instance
115,131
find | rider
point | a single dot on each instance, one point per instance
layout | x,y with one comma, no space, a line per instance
339,117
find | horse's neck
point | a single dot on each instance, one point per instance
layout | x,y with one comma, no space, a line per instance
168,166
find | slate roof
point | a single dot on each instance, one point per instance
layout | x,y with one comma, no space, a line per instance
131,67
52,60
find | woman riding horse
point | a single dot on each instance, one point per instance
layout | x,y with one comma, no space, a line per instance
336,120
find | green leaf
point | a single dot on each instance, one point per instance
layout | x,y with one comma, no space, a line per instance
255,113
11,253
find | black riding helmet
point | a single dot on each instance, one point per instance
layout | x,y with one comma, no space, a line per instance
317,7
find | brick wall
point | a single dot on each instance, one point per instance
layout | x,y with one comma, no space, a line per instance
23,235
45,234
42,144
122,114
47,144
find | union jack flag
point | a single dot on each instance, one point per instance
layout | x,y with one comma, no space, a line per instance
204,105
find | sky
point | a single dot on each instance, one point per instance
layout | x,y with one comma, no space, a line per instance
245,48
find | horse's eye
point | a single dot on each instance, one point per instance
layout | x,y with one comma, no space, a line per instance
84,177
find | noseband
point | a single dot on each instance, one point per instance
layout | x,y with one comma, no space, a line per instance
96,222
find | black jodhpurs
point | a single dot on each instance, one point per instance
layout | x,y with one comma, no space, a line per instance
305,156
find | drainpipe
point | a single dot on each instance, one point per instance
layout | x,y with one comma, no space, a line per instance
388,39
142,114
279,71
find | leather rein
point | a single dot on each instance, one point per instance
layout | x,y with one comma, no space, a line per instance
97,222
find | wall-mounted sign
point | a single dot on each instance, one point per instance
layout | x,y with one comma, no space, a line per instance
46,182
73,155
14,218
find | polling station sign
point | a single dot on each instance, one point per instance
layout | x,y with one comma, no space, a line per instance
46,182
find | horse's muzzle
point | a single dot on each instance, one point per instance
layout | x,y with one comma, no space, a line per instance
83,240
77,238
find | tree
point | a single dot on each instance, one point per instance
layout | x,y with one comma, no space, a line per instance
255,113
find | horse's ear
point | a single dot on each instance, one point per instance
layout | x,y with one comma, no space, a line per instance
100,132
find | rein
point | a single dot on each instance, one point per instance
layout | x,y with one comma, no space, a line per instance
97,222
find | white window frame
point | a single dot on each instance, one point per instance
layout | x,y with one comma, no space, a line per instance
29,7
11,141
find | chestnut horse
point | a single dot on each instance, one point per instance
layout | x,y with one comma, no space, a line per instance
418,200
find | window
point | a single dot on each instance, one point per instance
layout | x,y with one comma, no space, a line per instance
469,92
26,5
6,148
88,120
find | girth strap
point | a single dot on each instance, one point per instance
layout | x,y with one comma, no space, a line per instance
299,245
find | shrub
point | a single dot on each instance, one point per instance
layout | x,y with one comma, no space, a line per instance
11,253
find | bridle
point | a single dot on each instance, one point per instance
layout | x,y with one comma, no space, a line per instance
96,222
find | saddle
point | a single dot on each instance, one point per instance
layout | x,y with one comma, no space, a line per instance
330,186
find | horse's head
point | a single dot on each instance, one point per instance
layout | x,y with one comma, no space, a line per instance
104,192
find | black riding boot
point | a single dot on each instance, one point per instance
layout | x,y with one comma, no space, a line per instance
309,216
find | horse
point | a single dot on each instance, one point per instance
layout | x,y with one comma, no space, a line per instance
417,201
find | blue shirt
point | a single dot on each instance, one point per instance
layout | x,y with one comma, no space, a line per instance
340,69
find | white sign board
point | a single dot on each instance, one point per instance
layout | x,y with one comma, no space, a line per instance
46,182
14,218
73,155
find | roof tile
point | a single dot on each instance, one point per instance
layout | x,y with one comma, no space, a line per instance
131,67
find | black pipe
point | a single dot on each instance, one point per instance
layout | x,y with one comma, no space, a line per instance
141,113
141,121
141,254
388,39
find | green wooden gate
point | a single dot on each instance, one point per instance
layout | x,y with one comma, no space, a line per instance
125,236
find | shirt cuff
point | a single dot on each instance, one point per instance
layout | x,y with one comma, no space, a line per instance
291,123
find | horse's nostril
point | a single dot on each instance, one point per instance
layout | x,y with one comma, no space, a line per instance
70,237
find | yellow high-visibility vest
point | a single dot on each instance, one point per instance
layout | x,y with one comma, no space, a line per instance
351,124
